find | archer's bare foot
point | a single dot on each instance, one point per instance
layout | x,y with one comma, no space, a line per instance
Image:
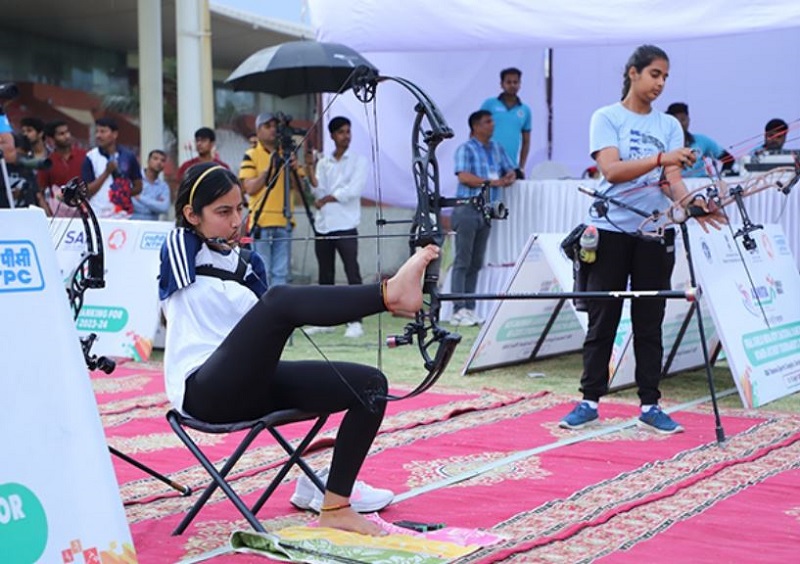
346,519
404,289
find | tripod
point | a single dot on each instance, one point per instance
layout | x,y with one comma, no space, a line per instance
280,164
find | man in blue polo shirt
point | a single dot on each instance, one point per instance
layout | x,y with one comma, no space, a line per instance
702,145
478,162
512,119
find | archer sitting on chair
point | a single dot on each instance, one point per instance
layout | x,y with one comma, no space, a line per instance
226,333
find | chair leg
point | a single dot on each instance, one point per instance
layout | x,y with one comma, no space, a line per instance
295,457
218,477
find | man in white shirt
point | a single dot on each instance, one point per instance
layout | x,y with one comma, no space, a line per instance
337,184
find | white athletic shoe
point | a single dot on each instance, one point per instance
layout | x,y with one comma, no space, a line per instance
364,499
457,318
473,318
354,330
463,318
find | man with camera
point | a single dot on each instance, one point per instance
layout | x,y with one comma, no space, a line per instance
112,173
263,173
477,162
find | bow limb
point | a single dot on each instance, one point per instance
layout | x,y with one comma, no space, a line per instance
436,345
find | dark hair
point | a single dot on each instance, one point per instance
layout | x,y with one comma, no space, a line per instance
510,70
642,57
213,185
776,126
678,108
33,122
110,123
50,128
475,117
156,152
205,133
337,123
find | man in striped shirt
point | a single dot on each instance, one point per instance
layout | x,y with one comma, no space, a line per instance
479,162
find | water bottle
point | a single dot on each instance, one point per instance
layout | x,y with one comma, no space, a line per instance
590,238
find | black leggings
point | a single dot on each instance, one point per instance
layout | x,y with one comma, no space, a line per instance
245,378
649,265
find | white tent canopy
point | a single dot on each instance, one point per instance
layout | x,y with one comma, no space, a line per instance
733,62
454,25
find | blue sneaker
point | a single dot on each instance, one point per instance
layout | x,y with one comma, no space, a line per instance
580,415
658,421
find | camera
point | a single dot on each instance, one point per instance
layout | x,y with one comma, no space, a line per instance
286,133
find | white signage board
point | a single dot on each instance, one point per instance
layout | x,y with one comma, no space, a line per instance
513,333
756,310
125,314
59,499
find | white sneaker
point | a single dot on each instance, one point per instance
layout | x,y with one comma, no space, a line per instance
473,317
464,318
354,330
364,499
305,489
314,330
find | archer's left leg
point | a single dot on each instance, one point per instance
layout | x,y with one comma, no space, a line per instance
652,270
361,391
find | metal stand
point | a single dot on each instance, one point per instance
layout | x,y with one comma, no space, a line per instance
700,329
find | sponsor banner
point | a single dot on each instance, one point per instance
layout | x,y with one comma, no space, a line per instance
54,506
513,332
757,310
125,314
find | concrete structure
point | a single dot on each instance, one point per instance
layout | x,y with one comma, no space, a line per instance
208,40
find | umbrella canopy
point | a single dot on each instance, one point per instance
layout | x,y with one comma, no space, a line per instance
300,67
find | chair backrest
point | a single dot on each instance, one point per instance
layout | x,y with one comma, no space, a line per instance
549,170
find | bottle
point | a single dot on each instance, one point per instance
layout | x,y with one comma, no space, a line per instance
589,241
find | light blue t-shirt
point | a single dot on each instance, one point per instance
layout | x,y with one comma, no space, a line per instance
5,126
636,136
702,146
509,123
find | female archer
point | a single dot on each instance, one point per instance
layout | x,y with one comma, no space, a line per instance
226,332
640,153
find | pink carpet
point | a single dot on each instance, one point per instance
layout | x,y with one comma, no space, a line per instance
630,495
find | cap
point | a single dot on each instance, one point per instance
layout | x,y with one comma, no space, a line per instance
264,118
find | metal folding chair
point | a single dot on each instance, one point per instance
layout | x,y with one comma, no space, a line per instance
270,422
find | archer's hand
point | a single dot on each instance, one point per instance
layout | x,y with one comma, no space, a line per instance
682,158
707,214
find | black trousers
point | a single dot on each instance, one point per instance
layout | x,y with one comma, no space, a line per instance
245,377
346,244
648,265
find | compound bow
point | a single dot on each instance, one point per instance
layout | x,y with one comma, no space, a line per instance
435,344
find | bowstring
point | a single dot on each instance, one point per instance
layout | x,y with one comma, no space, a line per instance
372,132
365,402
